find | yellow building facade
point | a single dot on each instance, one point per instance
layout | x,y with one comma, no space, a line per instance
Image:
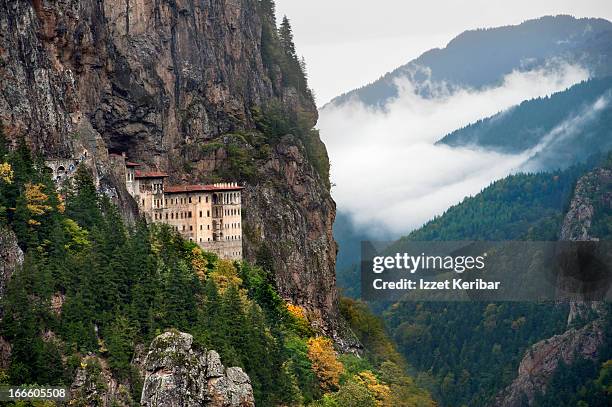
209,215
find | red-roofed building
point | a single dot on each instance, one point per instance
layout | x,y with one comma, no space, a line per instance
209,215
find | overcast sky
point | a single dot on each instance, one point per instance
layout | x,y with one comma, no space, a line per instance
349,43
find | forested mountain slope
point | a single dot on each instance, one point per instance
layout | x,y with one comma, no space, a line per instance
560,129
477,347
479,58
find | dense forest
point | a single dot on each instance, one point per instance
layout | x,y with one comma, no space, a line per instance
514,208
92,290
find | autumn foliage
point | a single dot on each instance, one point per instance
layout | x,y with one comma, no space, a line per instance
325,364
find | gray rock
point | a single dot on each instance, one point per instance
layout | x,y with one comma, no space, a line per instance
94,385
214,367
10,257
178,373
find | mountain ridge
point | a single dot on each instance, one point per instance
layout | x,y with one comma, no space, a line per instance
455,63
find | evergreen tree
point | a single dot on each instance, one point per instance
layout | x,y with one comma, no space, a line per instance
143,274
120,340
235,324
285,34
83,204
268,10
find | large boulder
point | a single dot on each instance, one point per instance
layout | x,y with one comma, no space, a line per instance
180,374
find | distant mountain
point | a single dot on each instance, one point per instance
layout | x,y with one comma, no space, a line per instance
478,346
479,58
563,128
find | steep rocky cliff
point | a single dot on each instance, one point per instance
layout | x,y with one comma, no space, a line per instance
187,87
579,341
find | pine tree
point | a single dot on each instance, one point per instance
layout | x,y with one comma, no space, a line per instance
268,10
143,273
235,325
119,339
83,204
303,67
209,322
286,38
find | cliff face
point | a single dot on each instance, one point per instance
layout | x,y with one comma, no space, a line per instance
173,84
542,360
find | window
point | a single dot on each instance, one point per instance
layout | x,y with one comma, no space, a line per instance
200,214
208,214
206,199
190,227
207,227
190,214
189,199
183,227
166,216
199,199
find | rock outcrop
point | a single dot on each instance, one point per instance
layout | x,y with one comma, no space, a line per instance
10,257
543,358
172,85
94,385
178,374
579,217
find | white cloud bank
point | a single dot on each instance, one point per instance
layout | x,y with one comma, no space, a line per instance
388,174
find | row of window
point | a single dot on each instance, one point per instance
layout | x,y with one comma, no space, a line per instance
182,201
188,214
227,197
